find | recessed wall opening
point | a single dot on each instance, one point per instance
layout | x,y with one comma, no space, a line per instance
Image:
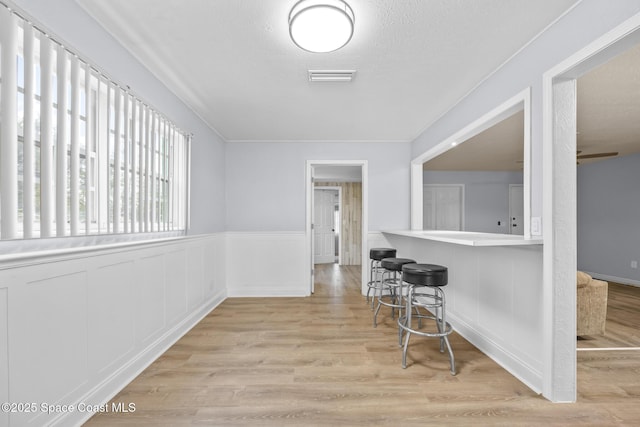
562,148
469,181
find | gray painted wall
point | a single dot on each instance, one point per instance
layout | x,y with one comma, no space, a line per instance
486,196
586,22
266,183
71,25
609,217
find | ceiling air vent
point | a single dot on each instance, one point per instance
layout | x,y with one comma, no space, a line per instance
331,75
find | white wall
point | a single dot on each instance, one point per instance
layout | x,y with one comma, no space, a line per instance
266,183
77,327
494,300
486,196
609,218
70,24
586,22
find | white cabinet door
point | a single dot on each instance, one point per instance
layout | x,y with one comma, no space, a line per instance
442,207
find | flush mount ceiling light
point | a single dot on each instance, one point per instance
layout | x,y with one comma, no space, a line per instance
321,26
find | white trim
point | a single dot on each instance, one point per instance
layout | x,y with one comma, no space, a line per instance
21,259
107,389
504,357
560,248
520,101
309,213
610,278
610,349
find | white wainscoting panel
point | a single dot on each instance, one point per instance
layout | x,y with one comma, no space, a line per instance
266,264
4,354
494,299
176,285
48,337
195,274
76,327
112,311
150,298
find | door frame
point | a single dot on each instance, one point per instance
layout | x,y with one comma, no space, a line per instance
559,188
309,185
339,190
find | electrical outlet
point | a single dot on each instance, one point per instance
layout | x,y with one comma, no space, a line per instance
634,264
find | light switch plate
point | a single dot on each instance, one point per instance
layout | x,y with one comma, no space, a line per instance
536,226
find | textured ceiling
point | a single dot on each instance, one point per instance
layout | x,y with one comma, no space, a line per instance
232,61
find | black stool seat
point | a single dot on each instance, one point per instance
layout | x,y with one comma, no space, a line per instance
395,264
379,253
425,274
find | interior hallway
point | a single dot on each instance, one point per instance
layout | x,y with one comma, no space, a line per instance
318,361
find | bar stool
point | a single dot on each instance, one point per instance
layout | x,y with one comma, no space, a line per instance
391,281
424,290
375,280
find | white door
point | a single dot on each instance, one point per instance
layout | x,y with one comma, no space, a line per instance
516,209
442,207
324,250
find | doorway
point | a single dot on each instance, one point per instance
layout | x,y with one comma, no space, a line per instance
353,227
560,207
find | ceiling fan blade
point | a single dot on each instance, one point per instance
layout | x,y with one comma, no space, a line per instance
596,155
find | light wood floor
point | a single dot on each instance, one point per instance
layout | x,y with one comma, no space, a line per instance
317,361
623,319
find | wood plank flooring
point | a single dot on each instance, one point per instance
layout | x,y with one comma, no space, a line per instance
318,361
623,320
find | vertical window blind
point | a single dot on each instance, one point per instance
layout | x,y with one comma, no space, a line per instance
80,154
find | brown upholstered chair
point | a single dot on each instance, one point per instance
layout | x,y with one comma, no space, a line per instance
592,305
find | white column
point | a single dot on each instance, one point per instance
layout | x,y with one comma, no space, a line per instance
9,129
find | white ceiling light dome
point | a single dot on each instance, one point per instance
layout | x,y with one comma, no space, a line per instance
321,26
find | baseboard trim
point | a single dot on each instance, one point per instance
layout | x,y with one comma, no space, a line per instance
517,367
104,391
267,291
609,278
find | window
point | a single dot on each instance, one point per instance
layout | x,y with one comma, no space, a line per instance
79,154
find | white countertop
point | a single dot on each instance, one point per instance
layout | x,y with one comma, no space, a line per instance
468,238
